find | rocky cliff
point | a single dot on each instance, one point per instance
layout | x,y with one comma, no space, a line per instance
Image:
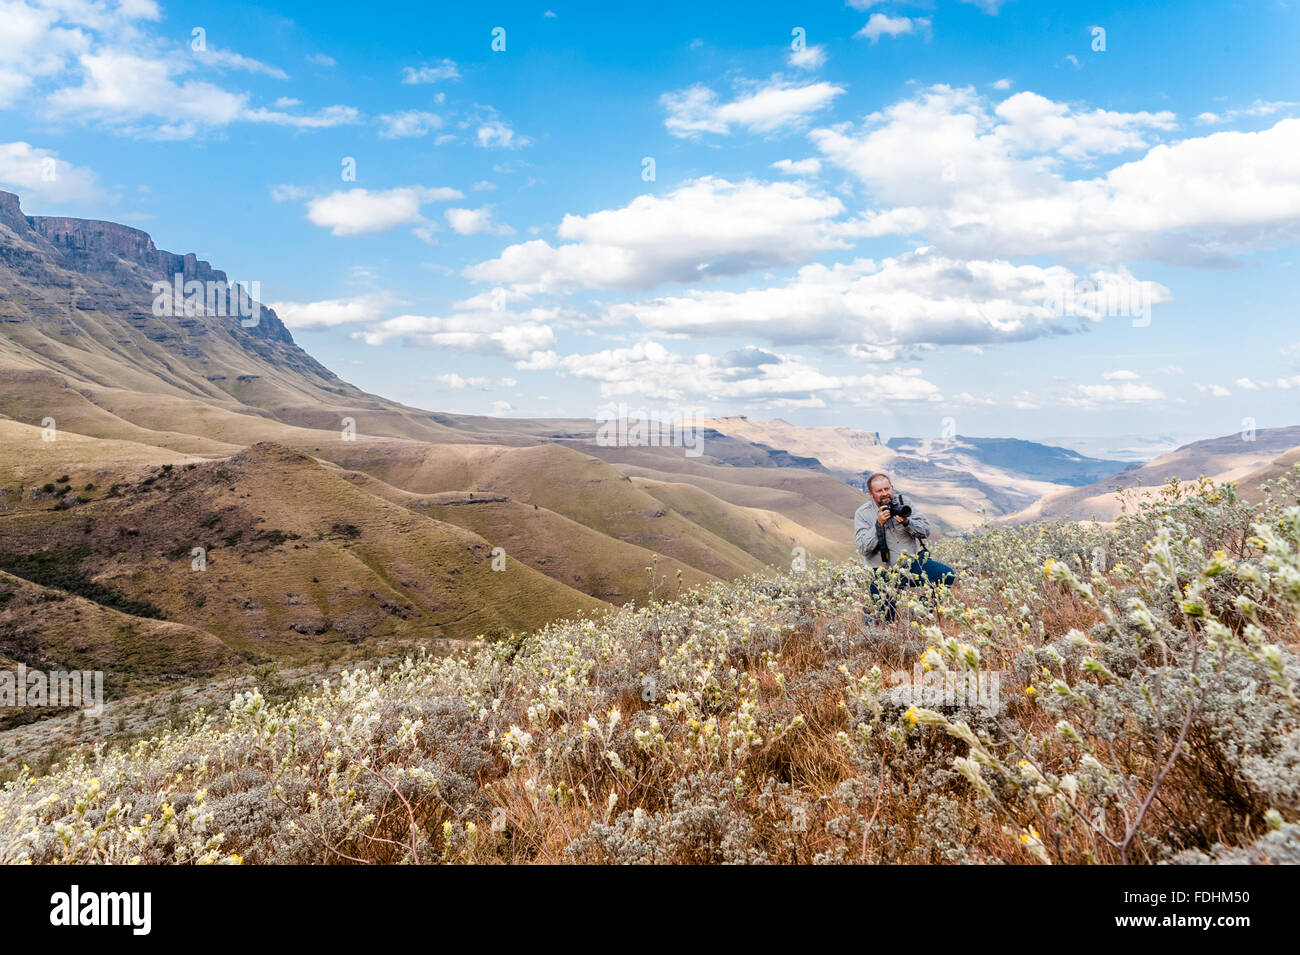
119,255
79,300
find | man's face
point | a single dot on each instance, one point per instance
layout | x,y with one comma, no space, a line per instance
882,492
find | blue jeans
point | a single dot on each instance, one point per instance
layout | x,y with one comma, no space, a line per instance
915,571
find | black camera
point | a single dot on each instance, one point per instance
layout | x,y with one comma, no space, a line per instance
899,510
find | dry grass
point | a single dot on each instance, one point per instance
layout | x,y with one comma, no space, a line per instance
755,722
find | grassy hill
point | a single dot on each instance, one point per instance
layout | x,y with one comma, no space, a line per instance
297,559
1228,458
559,547
1084,695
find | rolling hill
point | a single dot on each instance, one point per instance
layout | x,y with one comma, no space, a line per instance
1228,458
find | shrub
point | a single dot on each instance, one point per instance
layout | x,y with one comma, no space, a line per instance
1147,713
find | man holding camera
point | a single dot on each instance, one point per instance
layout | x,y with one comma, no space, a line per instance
890,533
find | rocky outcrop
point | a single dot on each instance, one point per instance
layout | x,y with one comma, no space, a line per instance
124,257
92,246
11,214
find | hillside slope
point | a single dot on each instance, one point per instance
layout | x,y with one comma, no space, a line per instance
760,721
1228,458
296,559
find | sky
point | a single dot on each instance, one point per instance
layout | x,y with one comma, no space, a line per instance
999,218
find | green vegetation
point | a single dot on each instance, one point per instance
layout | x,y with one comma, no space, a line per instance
61,570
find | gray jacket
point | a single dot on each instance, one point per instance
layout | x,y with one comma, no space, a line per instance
901,539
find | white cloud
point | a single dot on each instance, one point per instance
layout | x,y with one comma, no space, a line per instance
1035,124
498,135
321,119
36,42
798,167
918,298
331,312
122,89
493,300
93,62
881,24
431,72
38,173
358,211
1215,391
409,123
1002,84
701,230
475,221
286,192
1284,384
1128,393
456,381
808,58
1258,108
762,109
320,59
229,60
648,369
1122,375
517,336
976,180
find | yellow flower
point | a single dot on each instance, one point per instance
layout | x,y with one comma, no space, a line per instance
1030,691
911,715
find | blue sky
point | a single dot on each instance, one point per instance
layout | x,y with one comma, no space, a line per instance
902,214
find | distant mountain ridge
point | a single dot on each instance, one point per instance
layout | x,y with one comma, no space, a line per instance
1039,461
1233,457
959,482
